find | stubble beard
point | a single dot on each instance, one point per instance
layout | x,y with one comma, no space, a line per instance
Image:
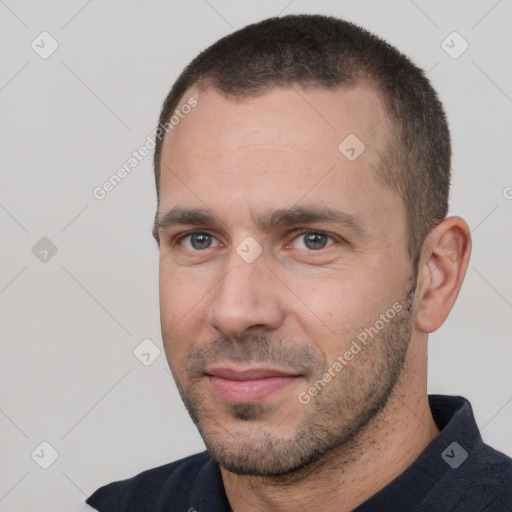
332,420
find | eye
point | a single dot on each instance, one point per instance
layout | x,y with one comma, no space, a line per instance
312,240
198,241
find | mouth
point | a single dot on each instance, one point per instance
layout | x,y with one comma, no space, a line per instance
248,385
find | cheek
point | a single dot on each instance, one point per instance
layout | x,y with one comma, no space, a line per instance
333,311
183,303
180,293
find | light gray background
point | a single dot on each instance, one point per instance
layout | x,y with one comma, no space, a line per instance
69,326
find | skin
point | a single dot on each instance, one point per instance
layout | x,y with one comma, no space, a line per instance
295,307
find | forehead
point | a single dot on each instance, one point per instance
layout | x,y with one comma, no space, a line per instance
312,119
274,149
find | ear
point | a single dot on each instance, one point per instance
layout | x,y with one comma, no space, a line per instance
443,263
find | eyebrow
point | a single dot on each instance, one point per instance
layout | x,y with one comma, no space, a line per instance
307,214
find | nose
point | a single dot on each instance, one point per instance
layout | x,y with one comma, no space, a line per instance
247,296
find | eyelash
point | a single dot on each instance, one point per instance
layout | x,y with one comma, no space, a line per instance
297,233
306,231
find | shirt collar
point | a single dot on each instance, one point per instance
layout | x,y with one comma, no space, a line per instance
453,416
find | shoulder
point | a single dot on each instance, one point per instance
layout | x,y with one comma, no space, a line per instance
492,477
482,474
482,481
156,488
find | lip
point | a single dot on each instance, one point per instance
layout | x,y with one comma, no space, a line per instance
248,385
252,373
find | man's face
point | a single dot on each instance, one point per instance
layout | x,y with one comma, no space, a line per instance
301,261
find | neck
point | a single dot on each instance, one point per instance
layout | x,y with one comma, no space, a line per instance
355,471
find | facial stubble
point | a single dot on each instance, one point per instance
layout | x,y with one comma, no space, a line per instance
255,442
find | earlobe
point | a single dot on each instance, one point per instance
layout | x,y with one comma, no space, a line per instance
443,264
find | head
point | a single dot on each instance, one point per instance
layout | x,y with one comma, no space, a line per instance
303,239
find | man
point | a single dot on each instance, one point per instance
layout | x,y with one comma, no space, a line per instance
305,255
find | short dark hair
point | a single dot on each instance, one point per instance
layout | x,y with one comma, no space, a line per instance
323,51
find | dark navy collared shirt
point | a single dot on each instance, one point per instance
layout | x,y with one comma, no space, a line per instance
456,472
